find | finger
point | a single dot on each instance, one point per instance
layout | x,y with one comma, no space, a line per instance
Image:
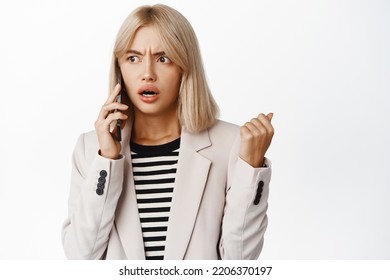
113,117
260,124
114,106
114,94
244,131
266,122
107,108
256,128
256,122
269,116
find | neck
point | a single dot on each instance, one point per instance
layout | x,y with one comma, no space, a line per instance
155,130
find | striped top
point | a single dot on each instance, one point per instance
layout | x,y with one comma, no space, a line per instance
154,172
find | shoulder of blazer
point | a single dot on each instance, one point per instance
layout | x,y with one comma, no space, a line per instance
224,135
227,129
219,133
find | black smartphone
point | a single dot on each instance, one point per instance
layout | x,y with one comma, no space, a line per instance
119,99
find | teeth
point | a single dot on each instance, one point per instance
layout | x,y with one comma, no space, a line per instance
148,93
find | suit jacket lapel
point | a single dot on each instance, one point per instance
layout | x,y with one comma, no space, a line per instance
191,178
127,217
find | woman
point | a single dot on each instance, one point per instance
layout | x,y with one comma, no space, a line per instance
180,184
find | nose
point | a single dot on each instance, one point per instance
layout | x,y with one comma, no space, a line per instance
149,71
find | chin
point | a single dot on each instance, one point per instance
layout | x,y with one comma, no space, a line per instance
155,109
149,110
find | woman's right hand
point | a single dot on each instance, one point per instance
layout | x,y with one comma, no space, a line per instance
110,147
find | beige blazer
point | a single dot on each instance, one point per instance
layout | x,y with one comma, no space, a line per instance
218,208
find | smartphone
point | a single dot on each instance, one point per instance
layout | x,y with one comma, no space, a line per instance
119,99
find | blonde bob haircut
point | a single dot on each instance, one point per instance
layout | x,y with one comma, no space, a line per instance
197,109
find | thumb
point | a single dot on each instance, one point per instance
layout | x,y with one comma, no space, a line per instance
270,116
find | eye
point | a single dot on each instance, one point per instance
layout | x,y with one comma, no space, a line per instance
164,59
134,59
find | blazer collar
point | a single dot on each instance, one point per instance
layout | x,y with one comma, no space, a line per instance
127,219
191,177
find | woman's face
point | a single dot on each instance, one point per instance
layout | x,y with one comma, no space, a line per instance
152,80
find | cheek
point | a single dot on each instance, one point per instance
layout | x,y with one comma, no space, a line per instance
175,77
175,87
129,81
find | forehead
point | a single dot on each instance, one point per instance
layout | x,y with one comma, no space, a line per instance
146,37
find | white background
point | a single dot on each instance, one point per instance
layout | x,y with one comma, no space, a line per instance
322,67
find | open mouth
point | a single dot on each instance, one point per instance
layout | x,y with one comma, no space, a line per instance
148,93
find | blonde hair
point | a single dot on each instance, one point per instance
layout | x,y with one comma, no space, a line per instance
197,109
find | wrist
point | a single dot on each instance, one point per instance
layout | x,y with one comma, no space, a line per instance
109,156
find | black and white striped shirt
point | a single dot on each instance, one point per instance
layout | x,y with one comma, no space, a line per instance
154,172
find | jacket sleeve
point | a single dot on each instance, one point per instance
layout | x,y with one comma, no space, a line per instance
245,219
96,185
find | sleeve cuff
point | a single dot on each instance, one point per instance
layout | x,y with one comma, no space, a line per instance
119,157
247,176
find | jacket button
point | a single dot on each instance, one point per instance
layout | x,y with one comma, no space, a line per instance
103,173
101,180
258,192
99,191
260,187
100,186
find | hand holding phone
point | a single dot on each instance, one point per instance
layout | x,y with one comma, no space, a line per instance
112,111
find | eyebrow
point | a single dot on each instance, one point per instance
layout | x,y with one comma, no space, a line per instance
139,53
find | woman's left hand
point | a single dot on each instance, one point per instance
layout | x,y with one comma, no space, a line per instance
256,137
